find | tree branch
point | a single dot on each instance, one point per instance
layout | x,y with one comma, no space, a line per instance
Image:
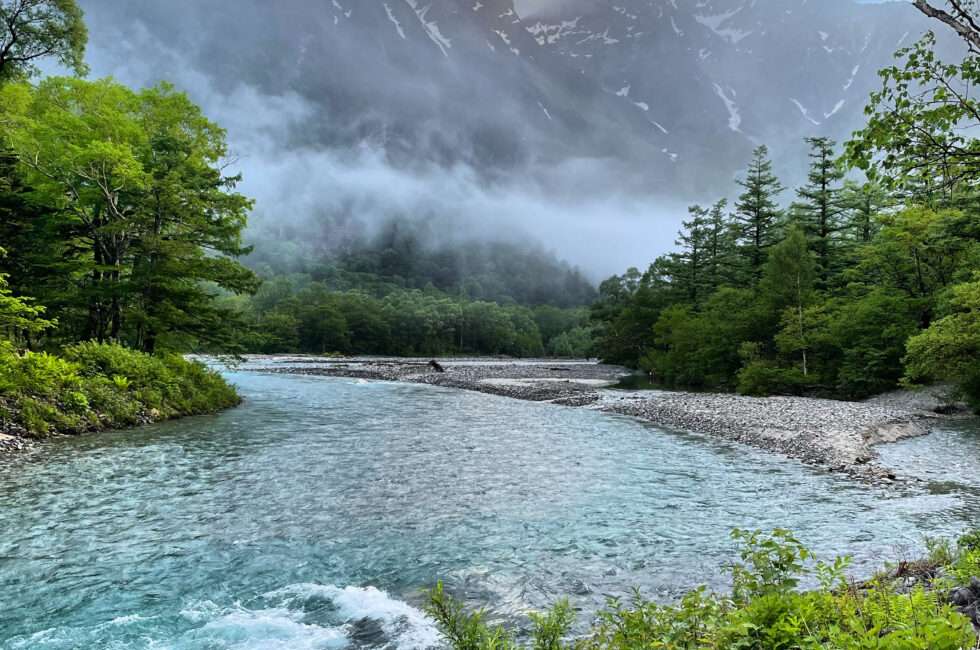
962,27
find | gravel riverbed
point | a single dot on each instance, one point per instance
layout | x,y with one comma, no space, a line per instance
836,435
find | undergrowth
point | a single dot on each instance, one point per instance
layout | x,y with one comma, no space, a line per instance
906,607
94,386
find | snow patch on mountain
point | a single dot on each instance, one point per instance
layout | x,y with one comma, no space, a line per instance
715,23
804,111
346,12
734,116
430,27
393,19
839,105
604,37
546,34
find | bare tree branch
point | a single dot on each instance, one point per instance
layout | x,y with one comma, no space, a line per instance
964,25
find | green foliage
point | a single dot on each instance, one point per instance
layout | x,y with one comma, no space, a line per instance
820,209
297,314
772,563
851,296
761,377
465,631
417,253
31,30
765,612
757,213
19,316
703,348
125,190
93,386
919,133
948,350
576,343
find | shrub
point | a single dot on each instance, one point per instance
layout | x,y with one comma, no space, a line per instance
97,385
760,378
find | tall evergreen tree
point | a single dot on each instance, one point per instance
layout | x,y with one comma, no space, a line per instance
691,260
721,239
863,203
757,213
820,209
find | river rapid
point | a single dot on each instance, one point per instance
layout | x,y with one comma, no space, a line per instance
315,515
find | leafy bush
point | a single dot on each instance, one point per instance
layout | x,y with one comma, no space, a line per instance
948,349
93,386
764,612
761,378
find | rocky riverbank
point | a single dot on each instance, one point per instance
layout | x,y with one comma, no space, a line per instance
839,436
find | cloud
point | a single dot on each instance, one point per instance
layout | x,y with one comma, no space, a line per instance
317,142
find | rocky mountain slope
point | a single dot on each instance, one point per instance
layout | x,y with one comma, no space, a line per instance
680,89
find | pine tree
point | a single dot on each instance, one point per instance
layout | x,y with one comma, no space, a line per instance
820,209
757,213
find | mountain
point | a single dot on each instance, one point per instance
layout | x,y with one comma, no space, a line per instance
446,106
717,76
685,87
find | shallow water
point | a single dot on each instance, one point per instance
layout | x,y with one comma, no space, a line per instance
314,515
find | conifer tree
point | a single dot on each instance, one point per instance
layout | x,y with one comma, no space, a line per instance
757,213
721,239
863,203
820,209
690,262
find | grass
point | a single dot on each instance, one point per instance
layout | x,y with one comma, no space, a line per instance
93,386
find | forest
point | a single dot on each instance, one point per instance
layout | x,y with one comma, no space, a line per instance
839,288
119,225
397,292
116,225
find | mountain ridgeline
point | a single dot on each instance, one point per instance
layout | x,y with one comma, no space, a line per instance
669,96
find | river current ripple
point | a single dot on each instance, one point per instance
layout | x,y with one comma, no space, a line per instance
316,514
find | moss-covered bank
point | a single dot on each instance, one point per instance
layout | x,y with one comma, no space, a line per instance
93,386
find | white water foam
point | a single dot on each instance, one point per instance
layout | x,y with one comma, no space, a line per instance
406,626
264,629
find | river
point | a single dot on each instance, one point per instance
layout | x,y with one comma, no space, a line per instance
314,516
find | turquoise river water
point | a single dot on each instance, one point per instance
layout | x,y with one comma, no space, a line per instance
315,515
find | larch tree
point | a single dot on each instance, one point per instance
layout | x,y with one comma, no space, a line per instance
757,213
820,209
691,260
863,202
